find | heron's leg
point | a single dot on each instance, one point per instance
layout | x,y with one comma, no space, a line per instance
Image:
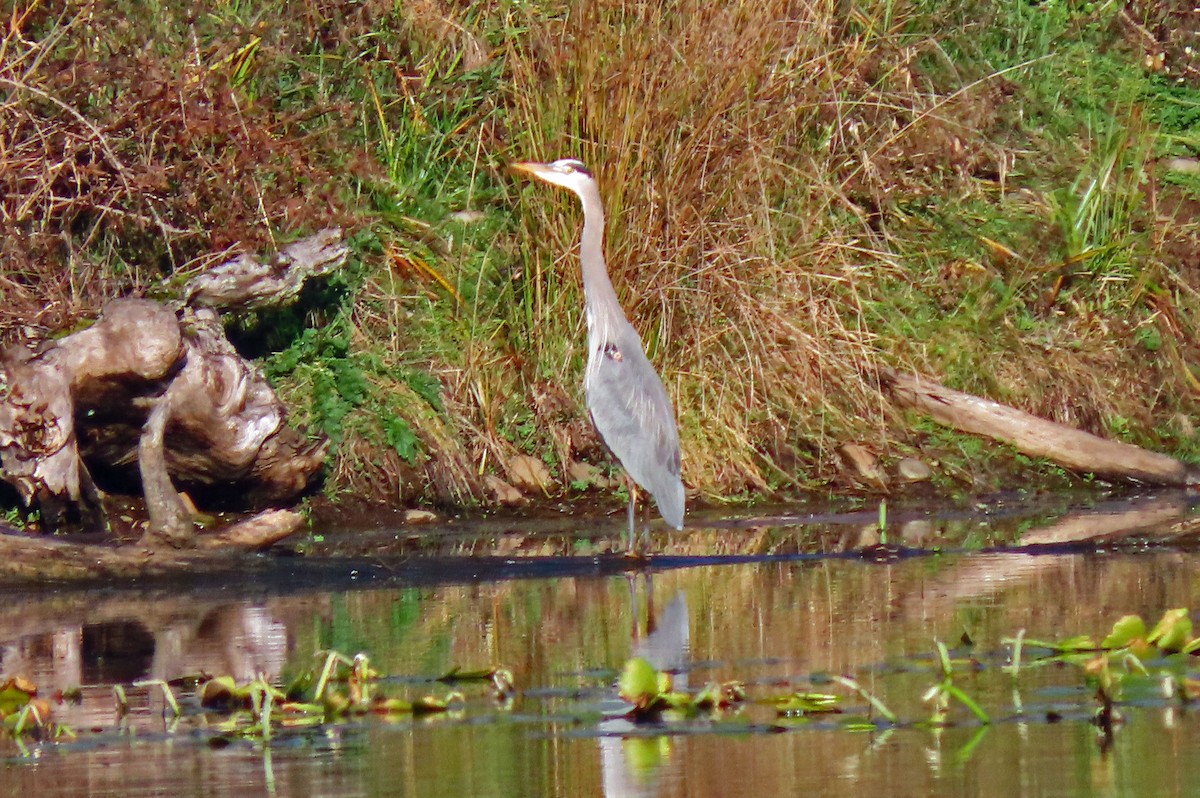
632,487
645,524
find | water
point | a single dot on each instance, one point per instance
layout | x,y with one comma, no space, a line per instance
783,605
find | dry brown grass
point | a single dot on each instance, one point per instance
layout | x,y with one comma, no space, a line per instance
729,240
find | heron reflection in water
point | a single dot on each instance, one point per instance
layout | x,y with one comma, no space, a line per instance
634,764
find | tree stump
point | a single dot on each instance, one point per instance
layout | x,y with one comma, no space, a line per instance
157,395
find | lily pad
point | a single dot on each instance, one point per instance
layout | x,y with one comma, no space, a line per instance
808,704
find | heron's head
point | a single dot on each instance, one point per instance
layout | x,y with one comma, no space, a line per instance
566,172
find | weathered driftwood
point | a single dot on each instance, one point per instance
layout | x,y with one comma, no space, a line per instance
170,521
44,392
246,282
1071,448
151,395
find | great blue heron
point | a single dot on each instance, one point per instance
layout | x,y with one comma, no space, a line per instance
627,400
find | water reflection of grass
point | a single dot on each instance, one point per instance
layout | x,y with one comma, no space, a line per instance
828,615
936,688
780,627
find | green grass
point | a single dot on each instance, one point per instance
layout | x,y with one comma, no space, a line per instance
968,190
1044,316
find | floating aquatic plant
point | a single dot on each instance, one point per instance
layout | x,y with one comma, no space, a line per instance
1172,634
944,692
22,713
799,704
651,692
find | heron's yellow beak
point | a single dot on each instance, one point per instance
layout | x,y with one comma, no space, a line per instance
530,168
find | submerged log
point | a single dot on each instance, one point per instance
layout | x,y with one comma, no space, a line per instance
1071,448
25,558
155,396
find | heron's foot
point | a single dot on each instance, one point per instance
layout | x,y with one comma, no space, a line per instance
635,556
638,545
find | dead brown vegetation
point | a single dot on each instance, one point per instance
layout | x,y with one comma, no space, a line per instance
740,247
122,160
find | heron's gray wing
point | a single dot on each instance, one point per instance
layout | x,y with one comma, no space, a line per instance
631,410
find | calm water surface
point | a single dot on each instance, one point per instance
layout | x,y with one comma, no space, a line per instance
779,613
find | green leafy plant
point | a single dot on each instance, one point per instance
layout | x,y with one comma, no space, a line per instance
651,693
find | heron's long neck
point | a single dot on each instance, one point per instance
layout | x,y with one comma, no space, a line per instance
598,289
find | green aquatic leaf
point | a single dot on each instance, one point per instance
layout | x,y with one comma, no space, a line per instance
1125,631
664,682
678,701
638,683
1078,643
1101,676
1172,631
168,693
504,684
457,674
221,691
868,696
709,697
396,706
968,702
808,704
1070,644
428,705
944,659
1141,649
14,695
720,696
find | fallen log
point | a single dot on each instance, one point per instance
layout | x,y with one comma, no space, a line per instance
27,558
1071,448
